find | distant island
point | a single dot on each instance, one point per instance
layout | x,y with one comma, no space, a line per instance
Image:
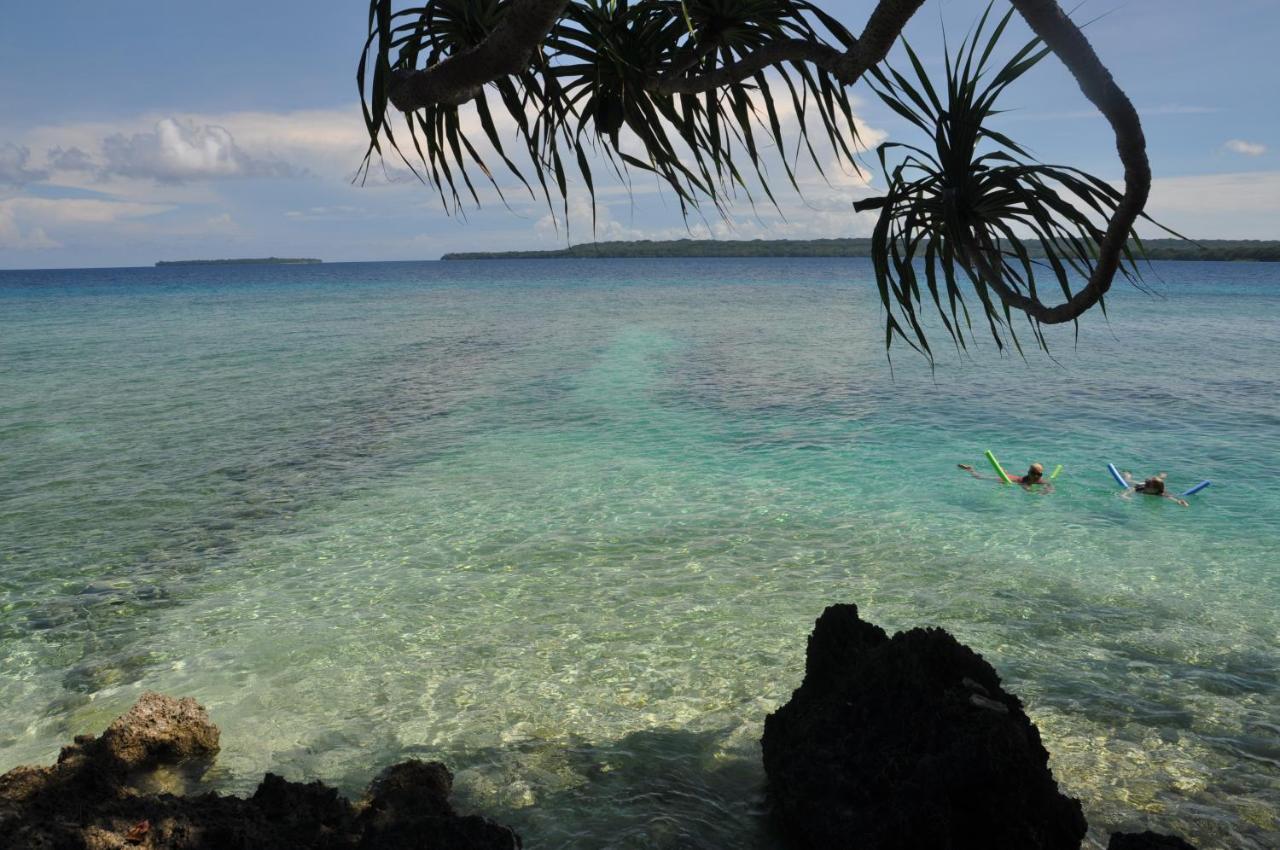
1157,249
243,261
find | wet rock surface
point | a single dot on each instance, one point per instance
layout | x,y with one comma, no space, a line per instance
89,799
908,742
159,730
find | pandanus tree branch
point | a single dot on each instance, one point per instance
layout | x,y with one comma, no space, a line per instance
791,50
654,73
848,66
510,48
507,50
1055,29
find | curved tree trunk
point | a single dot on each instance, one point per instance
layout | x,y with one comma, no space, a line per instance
1056,30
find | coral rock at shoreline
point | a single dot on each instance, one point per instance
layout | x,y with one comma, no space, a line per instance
909,742
90,800
160,730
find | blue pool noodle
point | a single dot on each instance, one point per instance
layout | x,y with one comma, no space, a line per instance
1115,473
1197,488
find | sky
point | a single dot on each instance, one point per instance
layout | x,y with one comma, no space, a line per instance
136,131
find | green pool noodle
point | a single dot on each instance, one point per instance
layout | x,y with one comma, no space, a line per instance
1055,472
998,468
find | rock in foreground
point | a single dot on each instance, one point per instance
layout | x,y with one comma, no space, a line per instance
909,742
89,801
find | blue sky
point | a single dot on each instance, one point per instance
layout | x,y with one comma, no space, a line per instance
136,131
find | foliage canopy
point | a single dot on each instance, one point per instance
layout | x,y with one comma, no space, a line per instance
695,92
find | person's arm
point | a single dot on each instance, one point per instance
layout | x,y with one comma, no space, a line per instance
969,469
1132,488
1177,499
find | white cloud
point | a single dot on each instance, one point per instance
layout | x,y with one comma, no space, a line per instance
222,223
551,227
1240,146
80,210
311,134
1243,192
177,163
16,238
179,158
25,222
181,149
178,151
1241,205
338,212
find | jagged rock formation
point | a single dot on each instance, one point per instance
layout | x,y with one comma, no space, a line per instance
909,742
888,744
90,800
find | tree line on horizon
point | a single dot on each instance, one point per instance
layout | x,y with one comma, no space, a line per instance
1256,250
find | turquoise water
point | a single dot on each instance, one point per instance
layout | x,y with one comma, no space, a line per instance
565,526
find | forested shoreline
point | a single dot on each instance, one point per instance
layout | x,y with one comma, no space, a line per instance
1156,249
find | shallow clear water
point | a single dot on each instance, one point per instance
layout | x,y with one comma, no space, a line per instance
565,526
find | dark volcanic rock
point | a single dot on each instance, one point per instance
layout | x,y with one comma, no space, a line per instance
909,742
1146,841
89,800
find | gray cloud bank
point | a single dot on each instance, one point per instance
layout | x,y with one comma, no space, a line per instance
172,152
14,170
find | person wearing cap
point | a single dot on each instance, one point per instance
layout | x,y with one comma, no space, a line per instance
1035,475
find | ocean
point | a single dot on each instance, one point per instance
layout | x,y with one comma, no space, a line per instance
565,526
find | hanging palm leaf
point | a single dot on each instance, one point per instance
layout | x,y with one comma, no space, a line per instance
594,93
973,214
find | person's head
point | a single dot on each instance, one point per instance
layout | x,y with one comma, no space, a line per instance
1034,472
1154,485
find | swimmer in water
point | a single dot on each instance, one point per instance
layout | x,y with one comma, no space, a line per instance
1153,486
1035,475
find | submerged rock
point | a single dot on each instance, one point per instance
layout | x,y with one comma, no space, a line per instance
909,742
1146,841
89,799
